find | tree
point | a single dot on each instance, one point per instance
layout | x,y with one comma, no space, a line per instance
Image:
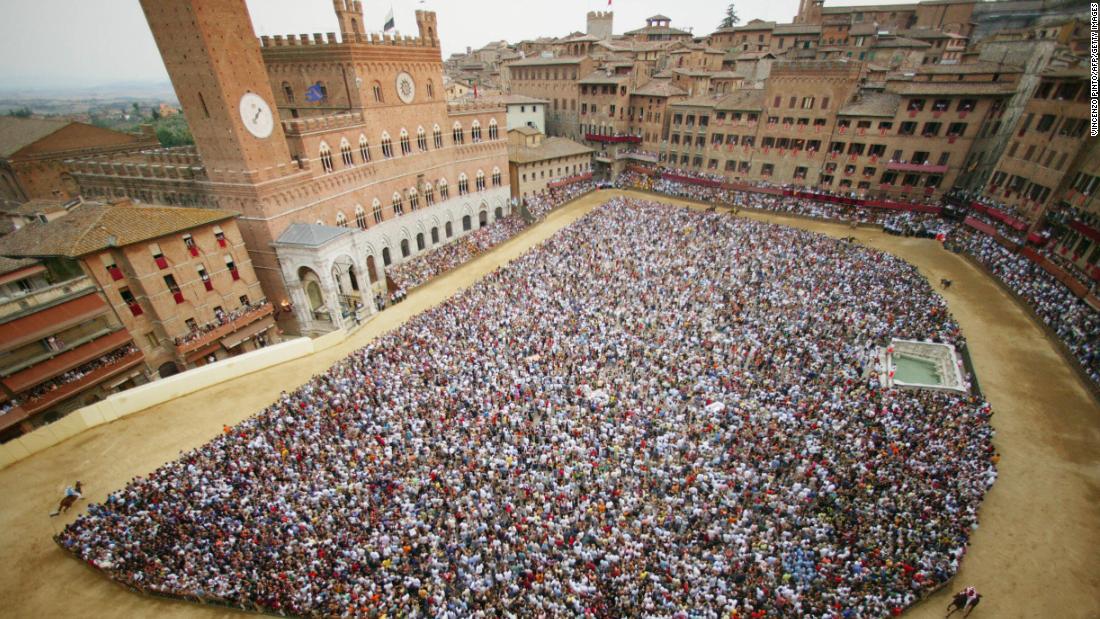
731,19
24,112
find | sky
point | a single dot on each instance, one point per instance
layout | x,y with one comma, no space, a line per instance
81,43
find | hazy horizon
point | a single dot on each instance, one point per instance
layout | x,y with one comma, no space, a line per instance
82,44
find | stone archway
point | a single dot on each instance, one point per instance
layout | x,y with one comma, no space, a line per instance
482,219
498,214
435,235
420,241
168,369
387,260
448,230
467,223
372,271
405,248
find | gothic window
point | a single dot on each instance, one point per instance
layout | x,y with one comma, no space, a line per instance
377,89
288,92
345,154
480,180
398,204
406,147
376,210
431,90
437,135
341,220
414,199
444,190
421,139
493,130
496,177
429,194
457,135
387,146
326,158
475,132
463,184
360,218
364,149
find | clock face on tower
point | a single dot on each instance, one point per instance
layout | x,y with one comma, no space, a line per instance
256,115
406,87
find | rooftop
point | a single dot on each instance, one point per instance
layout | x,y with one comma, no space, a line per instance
539,60
91,227
872,104
18,133
551,148
310,235
658,88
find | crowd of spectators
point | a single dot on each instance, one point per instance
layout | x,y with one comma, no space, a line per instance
423,268
221,318
1074,321
78,373
657,412
540,205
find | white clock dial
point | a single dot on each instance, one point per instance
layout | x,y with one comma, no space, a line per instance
256,115
406,87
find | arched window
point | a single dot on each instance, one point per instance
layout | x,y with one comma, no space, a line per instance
475,131
288,92
360,217
345,154
364,149
463,184
496,177
376,210
431,89
387,146
341,221
429,194
414,199
494,132
444,189
421,139
406,147
457,135
377,89
326,158
398,204
479,180
437,134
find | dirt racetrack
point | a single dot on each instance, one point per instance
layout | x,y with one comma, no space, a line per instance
1036,553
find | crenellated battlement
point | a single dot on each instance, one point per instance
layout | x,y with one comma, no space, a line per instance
601,14
473,106
127,169
331,40
316,124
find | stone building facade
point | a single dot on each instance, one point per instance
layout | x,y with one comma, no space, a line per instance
334,131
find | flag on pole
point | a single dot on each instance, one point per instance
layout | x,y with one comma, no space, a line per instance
389,21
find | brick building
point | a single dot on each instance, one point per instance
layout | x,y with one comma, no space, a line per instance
553,79
179,280
32,152
61,345
536,162
348,131
1044,151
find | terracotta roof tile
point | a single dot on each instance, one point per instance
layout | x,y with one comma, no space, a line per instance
92,227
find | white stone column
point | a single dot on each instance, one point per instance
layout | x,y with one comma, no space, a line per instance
332,298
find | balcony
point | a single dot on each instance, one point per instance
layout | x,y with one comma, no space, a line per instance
87,381
36,300
613,139
40,372
221,331
637,156
922,168
57,315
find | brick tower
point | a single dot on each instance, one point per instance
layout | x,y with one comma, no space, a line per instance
349,13
214,61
